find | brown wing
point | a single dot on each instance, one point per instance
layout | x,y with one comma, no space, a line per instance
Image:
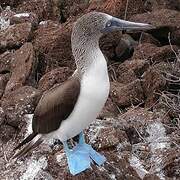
55,106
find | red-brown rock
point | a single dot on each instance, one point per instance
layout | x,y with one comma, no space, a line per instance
4,78
161,4
15,35
7,13
153,53
23,18
151,177
5,61
2,116
165,21
175,37
153,83
126,95
71,8
128,71
109,110
56,76
23,68
117,7
19,102
12,3
53,43
44,9
7,132
160,18
148,38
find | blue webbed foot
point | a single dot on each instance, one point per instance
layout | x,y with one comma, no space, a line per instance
94,155
78,159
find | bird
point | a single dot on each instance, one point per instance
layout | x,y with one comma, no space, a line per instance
64,111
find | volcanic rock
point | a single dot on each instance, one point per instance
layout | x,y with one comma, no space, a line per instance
117,7
23,68
53,44
44,9
15,35
4,78
148,38
19,102
152,5
108,44
153,83
23,18
126,95
128,71
7,132
56,76
152,53
5,61
165,21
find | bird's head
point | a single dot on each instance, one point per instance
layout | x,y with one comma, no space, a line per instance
94,24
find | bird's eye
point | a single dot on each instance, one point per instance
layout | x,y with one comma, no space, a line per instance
108,24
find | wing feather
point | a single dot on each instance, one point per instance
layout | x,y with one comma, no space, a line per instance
55,106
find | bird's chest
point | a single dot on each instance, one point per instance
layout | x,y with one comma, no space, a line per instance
95,83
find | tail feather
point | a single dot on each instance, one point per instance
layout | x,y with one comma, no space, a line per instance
25,141
36,141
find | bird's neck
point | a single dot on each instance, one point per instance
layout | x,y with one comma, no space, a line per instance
86,53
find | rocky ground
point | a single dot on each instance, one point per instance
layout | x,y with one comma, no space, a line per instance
139,128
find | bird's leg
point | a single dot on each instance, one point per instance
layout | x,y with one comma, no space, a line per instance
78,159
94,155
56,142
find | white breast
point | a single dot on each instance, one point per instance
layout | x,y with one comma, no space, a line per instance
93,95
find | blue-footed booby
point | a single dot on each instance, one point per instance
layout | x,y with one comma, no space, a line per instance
65,110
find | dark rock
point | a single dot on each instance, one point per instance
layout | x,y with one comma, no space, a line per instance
5,62
4,78
125,47
154,54
117,7
108,44
126,95
56,76
53,43
19,102
23,18
23,68
15,35
7,132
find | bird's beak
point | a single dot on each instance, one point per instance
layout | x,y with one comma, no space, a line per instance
119,24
